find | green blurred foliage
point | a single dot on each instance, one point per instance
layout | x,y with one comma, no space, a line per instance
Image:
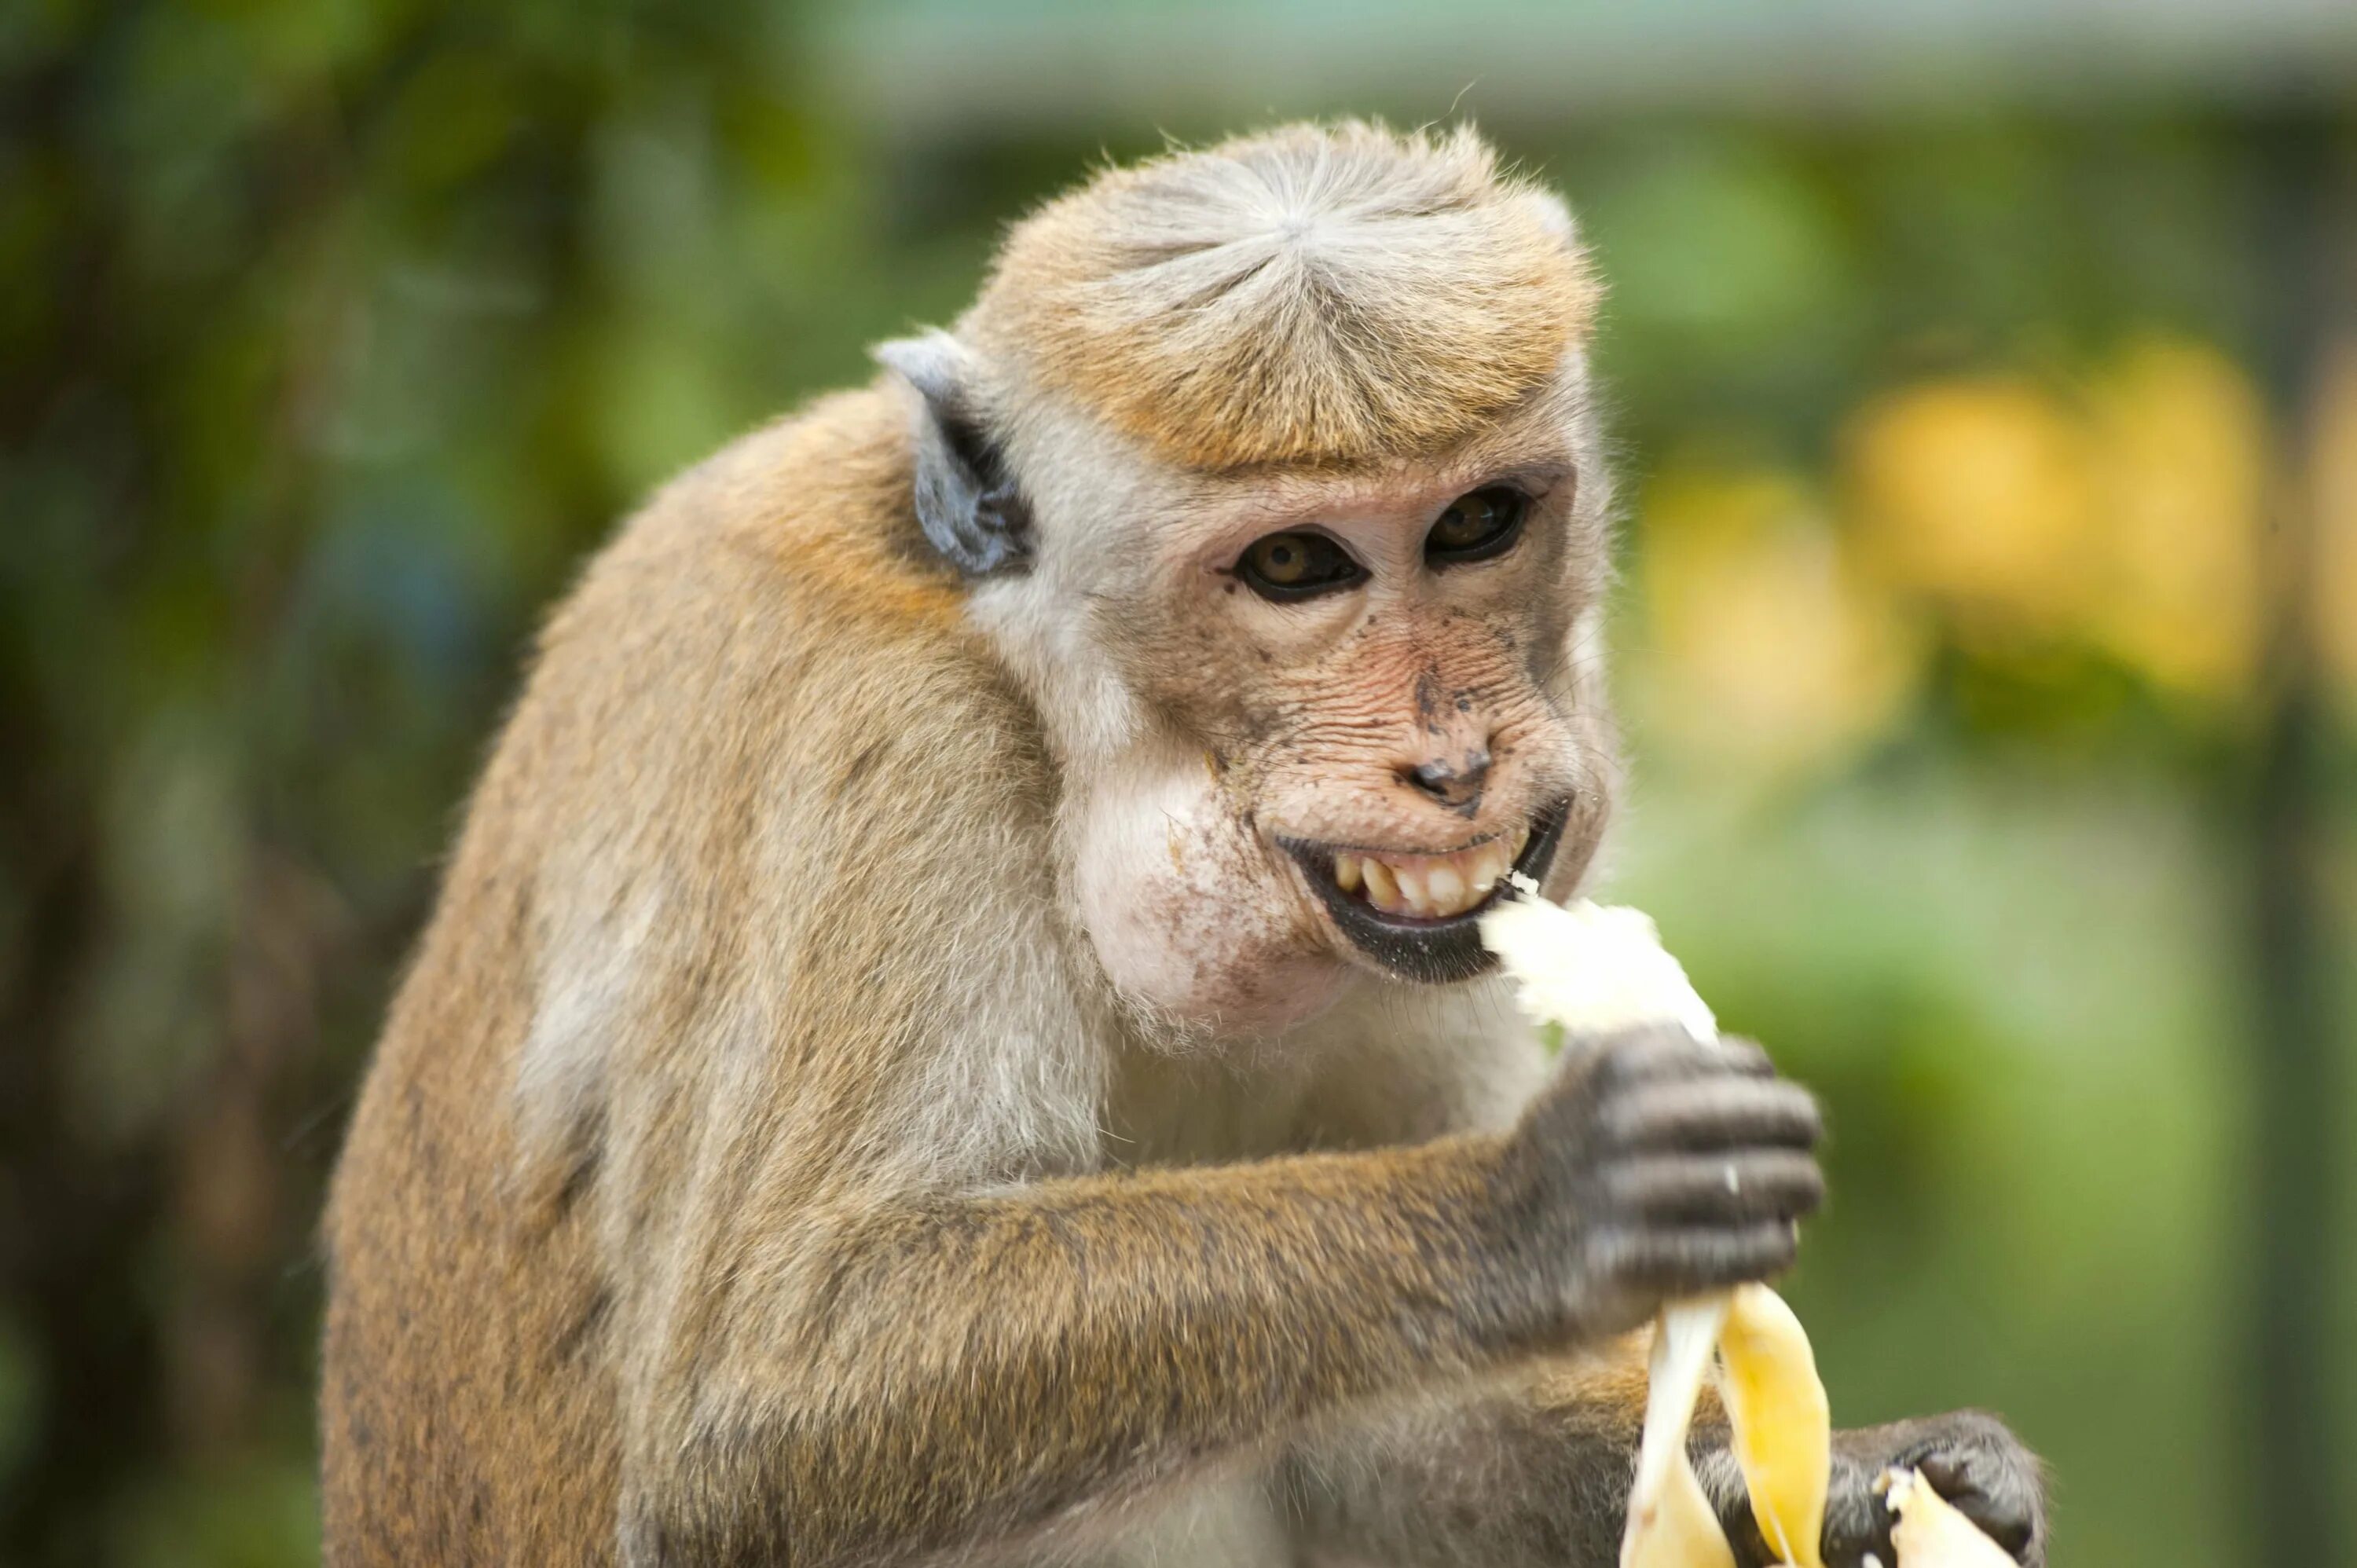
334,332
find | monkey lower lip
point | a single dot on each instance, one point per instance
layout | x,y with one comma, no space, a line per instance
1429,947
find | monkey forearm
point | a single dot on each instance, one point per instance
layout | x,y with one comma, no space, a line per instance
1528,1467
973,1367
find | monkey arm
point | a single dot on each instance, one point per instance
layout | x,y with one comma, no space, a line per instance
947,1370
874,1379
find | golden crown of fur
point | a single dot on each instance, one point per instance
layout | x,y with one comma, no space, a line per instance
1321,294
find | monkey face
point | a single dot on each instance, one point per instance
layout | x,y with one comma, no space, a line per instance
1385,719
1350,705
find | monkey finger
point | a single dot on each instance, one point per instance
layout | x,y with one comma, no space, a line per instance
1988,1477
1672,1261
1708,1113
1729,1189
1653,1051
1741,1053
1643,1053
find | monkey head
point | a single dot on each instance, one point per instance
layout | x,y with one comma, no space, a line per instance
1273,472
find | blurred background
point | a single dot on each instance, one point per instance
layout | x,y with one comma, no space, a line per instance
1986,380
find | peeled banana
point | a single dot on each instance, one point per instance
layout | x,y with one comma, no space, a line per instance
1589,969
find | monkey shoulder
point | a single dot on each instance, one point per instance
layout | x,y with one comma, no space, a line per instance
748,715
814,511
783,579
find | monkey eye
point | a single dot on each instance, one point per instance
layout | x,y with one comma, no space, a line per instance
1477,526
1297,566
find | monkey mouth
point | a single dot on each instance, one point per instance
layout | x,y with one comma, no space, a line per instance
1418,915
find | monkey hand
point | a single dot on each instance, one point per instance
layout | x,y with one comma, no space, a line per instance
1656,1166
1968,1457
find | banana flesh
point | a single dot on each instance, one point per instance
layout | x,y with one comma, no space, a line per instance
1671,1523
1930,1533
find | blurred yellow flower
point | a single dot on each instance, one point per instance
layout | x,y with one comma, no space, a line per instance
2127,520
1976,494
2335,491
1763,643
2180,451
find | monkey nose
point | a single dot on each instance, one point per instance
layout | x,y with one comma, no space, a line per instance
1453,782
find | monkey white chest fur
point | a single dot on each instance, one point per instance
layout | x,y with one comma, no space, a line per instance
955,1029
1383,1064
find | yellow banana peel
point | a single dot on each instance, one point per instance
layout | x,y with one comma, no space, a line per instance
1782,1423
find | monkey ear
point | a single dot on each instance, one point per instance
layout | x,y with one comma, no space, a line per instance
967,502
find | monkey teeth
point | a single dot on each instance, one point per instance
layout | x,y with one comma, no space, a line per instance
1429,887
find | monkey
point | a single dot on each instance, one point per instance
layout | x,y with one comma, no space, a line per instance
955,1029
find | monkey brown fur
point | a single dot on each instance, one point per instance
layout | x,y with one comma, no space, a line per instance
892,1078
1462,283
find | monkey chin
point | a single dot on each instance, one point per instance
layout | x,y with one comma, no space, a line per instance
1429,951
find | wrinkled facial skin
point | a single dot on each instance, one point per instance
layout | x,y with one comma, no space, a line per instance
1272,734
